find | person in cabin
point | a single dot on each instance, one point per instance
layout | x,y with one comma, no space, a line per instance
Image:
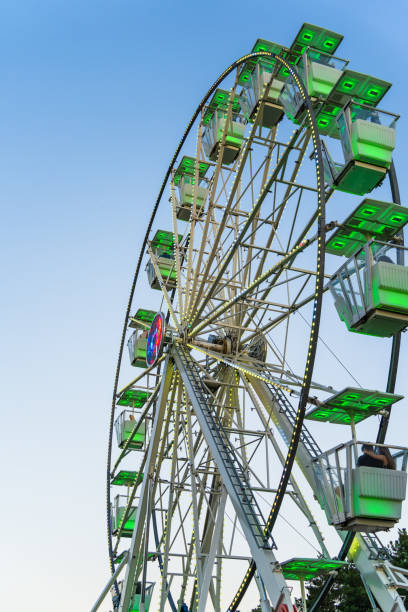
369,458
385,259
385,456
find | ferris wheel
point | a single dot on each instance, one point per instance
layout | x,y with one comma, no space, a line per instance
220,428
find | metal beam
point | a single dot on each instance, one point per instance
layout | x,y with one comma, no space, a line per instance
137,537
234,479
110,582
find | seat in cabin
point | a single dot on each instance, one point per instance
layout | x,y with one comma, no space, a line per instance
136,599
233,138
166,265
187,192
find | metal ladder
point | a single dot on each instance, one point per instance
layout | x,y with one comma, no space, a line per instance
286,408
376,547
204,408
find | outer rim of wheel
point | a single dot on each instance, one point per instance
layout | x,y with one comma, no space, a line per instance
194,117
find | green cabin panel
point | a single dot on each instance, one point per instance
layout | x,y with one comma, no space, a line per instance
128,525
259,46
372,143
322,79
139,437
164,241
390,287
352,401
378,493
187,166
359,178
127,478
307,569
220,101
361,87
314,36
134,398
135,605
142,319
371,219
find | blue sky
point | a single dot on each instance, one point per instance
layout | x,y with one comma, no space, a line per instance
95,96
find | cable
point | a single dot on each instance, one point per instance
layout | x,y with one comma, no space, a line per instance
332,353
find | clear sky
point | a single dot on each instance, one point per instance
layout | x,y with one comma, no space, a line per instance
95,96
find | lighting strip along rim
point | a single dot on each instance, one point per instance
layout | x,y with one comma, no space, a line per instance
318,297
194,117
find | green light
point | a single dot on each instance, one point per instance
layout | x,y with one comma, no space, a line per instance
316,37
368,212
145,315
348,85
134,398
164,241
125,478
359,403
187,166
370,219
307,36
329,43
306,569
363,88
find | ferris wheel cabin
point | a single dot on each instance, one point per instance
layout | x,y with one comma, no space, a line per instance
121,520
137,343
368,140
192,187
371,289
261,88
219,122
162,261
130,430
319,72
354,496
